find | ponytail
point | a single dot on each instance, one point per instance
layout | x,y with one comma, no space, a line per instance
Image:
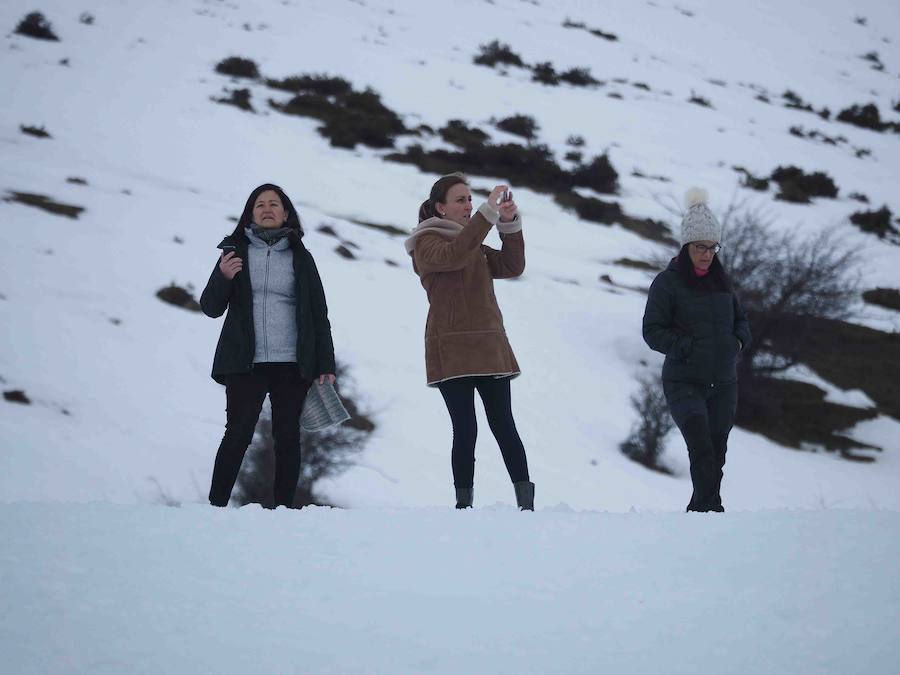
426,210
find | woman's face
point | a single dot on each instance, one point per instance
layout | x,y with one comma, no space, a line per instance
458,206
268,211
702,253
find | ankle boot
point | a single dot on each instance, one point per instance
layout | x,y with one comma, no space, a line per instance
524,495
464,497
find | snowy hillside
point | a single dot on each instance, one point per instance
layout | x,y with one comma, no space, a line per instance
122,408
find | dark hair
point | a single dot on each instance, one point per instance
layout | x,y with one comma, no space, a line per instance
246,219
439,194
717,279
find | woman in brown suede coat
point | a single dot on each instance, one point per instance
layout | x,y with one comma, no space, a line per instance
465,344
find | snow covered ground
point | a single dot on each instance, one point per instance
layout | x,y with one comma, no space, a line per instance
101,588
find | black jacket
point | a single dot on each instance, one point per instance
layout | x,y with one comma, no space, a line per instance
234,353
697,330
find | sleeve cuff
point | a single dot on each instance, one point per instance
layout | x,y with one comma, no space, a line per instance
513,226
490,214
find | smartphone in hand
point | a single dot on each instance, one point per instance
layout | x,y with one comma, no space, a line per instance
228,248
507,196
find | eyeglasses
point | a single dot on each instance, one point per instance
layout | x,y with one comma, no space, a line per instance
703,248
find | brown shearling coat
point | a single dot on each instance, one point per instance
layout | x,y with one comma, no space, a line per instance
464,333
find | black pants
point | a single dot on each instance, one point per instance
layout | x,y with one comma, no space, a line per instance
244,398
459,395
704,415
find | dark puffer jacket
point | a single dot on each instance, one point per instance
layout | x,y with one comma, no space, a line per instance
701,332
236,347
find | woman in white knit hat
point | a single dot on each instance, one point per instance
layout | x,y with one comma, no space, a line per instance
694,318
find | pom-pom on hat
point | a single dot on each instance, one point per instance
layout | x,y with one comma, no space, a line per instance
698,223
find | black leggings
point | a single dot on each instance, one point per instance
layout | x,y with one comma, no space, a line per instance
459,395
245,395
704,415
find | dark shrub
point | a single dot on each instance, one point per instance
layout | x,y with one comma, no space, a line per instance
599,175
239,98
307,105
593,31
235,66
816,135
86,18
520,125
35,25
493,53
16,396
178,296
609,213
44,203
579,77
390,230
637,173
323,454
574,156
646,442
795,102
590,208
324,85
637,264
884,297
463,136
699,100
876,222
751,181
545,74
575,141
350,118
75,180
344,252
532,166
38,132
874,59
796,186
865,116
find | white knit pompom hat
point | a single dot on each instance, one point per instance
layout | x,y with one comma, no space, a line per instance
698,223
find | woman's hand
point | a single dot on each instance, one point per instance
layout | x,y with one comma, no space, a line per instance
230,264
327,377
495,196
507,209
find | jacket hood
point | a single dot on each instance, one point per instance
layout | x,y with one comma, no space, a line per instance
447,228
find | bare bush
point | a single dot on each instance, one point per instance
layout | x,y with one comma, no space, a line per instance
646,442
780,275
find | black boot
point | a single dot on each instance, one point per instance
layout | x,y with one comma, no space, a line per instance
524,495
464,497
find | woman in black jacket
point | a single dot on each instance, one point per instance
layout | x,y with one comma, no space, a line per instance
276,338
694,318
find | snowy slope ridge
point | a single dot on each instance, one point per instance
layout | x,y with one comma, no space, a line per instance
144,589
122,406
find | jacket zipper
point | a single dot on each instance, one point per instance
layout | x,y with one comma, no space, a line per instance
265,302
